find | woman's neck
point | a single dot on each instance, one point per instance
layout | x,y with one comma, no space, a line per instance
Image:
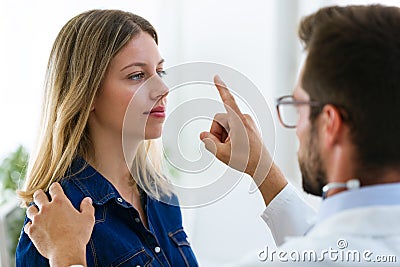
109,160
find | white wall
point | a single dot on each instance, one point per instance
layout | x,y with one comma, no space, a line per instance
28,29
259,39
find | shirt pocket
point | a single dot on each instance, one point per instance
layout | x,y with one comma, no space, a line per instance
135,258
179,238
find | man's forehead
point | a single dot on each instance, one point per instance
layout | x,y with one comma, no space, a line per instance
299,92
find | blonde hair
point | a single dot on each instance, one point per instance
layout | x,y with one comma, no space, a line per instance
78,62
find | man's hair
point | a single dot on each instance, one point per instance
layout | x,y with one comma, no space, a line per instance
354,63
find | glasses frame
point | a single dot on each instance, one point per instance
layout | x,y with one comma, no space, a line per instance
281,101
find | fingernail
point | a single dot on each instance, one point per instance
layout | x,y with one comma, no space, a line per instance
90,200
219,81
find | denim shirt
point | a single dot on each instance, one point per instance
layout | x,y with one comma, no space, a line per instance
119,237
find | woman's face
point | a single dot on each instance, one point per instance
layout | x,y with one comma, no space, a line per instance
127,90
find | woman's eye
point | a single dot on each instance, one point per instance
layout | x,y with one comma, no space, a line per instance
137,76
161,73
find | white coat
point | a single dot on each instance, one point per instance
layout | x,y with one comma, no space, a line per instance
366,236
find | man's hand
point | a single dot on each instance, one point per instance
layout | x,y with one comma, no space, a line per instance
57,229
235,140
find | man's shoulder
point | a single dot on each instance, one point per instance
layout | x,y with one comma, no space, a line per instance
378,221
356,232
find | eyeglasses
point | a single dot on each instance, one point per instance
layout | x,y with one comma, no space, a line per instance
287,108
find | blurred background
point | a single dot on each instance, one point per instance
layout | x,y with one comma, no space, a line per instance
255,37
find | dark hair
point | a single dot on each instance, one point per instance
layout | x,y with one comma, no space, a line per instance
354,63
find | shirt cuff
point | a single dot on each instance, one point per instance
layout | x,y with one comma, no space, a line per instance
288,215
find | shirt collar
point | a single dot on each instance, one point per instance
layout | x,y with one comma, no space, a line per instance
366,196
92,183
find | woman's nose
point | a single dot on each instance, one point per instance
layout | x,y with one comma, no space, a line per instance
158,88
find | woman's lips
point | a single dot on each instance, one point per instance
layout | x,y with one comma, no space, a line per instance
158,112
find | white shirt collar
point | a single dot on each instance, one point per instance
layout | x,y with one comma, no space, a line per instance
382,194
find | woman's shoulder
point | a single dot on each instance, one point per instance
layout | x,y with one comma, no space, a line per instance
82,180
71,182
72,191
78,182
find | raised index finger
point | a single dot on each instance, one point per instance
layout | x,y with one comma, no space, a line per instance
227,97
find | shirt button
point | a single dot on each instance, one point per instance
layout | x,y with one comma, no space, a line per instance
137,220
119,200
157,249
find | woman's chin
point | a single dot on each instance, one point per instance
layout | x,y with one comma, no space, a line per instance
150,136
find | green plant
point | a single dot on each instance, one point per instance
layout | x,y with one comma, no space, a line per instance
13,171
12,174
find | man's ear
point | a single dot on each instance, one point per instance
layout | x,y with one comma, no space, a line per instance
332,125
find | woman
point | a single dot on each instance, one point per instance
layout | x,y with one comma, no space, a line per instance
99,61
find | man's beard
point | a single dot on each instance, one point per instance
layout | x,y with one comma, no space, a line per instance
311,167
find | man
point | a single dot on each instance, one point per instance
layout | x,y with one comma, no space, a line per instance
345,111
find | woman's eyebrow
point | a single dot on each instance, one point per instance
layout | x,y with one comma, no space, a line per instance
140,64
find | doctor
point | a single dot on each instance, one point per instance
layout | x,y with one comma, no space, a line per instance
345,109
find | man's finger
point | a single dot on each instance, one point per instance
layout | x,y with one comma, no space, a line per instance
56,190
210,141
31,212
26,228
227,97
40,198
86,206
220,127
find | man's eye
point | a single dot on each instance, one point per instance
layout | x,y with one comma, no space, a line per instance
137,76
161,73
